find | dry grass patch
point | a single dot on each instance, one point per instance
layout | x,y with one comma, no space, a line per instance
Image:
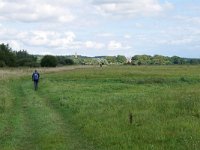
7,73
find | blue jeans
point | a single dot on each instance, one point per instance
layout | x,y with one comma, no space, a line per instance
35,84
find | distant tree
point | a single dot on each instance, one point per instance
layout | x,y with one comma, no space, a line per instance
88,61
121,59
177,60
25,59
193,61
111,59
61,60
95,61
102,61
69,61
49,61
135,60
7,57
2,63
160,60
141,60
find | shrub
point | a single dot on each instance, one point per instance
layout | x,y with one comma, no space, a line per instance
2,63
69,61
49,61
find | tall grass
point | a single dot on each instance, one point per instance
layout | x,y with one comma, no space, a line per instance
91,108
163,101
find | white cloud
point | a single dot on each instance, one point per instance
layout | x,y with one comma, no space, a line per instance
34,11
105,34
174,42
50,39
168,5
114,45
188,19
46,40
97,26
127,36
15,45
179,38
37,38
138,25
93,44
131,7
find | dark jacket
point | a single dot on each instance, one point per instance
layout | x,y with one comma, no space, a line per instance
35,76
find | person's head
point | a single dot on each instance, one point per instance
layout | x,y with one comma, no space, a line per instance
35,70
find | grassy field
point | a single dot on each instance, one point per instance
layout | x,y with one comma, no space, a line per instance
90,109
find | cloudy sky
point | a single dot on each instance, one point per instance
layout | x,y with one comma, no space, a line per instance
102,27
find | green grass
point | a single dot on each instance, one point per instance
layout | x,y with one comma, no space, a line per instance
89,109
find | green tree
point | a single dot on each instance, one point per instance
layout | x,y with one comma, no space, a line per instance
111,59
69,61
61,60
49,61
7,57
177,60
2,63
141,60
121,59
194,61
160,60
25,59
102,61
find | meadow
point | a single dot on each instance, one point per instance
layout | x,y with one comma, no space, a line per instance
91,108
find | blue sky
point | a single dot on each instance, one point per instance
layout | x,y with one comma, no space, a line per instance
102,27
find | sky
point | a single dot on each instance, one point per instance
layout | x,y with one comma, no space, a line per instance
102,27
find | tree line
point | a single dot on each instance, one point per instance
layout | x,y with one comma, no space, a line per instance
10,58
162,60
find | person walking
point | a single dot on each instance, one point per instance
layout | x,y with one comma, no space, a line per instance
35,79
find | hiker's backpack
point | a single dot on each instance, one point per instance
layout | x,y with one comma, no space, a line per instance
35,76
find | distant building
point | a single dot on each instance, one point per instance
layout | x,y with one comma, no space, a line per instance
76,56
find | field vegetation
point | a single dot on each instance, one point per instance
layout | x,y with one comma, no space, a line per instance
114,107
21,58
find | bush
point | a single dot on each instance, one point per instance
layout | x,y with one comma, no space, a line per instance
2,63
61,60
69,61
49,61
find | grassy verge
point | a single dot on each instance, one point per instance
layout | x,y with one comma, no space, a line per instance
90,109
